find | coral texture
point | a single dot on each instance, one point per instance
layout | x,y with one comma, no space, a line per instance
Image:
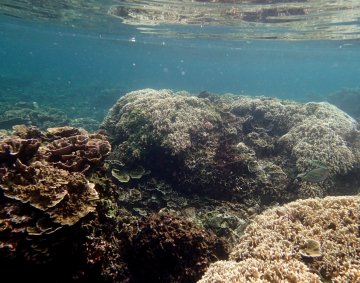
317,238
170,249
65,197
30,172
259,271
40,203
233,147
165,117
78,153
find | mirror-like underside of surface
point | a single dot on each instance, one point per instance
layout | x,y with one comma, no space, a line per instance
223,19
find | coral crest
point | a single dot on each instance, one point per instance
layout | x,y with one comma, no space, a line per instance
163,116
317,238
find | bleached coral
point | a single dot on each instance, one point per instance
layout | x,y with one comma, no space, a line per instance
321,135
259,271
282,234
315,139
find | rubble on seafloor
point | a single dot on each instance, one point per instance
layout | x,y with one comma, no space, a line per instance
170,184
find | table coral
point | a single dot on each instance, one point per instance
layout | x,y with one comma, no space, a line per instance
279,237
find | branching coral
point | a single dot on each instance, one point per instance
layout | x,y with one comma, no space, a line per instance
315,140
281,236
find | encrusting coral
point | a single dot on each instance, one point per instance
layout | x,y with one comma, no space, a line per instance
304,241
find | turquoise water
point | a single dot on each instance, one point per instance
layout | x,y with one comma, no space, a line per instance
51,63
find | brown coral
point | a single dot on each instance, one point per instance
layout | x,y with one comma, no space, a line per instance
12,149
43,211
78,153
170,249
65,197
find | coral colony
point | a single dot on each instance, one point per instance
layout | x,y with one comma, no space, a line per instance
175,187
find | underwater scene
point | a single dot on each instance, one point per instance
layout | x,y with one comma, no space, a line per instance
210,141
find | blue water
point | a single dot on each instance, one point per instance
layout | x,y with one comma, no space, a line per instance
84,62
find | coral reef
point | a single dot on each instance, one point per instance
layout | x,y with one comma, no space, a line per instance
170,249
46,211
65,197
322,137
31,173
235,147
307,241
170,126
175,188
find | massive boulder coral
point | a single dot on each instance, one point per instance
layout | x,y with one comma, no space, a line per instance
235,146
304,241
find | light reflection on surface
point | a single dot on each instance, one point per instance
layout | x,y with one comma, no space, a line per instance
223,19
